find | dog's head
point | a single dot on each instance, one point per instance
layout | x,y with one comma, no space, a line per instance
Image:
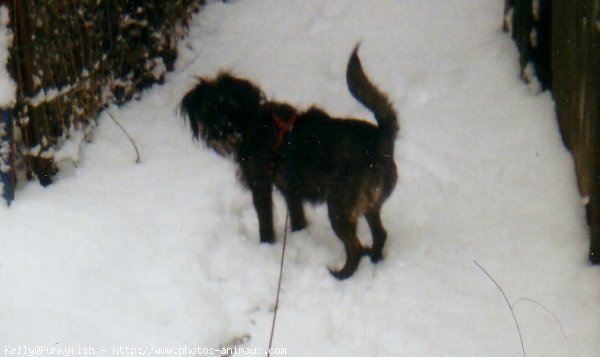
221,110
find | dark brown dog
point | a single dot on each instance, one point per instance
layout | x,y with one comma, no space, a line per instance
308,156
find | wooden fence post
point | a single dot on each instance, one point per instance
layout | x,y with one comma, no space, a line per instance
576,90
7,171
7,145
562,41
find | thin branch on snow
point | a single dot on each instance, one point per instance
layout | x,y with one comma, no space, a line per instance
513,305
137,152
562,330
512,311
230,347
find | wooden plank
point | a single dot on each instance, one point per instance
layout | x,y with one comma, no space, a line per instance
568,59
576,89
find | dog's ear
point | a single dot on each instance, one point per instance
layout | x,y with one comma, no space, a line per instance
246,94
281,110
191,107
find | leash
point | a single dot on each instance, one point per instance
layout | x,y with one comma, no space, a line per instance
283,127
287,216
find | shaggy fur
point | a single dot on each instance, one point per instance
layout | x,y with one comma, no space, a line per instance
307,155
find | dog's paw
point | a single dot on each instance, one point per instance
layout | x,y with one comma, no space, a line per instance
267,235
340,274
298,226
376,256
268,240
348,269
297,219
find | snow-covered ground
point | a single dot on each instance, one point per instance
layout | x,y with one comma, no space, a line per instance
165,253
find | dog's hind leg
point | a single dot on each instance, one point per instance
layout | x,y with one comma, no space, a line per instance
379,234
344,226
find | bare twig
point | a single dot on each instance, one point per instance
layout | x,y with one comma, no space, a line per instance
137,152
228,349
562,330
507,303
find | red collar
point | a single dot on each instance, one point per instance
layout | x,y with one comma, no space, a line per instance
284,127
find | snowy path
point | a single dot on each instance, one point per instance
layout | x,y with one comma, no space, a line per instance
165,253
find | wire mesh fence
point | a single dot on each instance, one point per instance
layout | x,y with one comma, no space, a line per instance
71,58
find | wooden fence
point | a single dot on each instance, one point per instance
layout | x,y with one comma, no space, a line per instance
561,39
72,58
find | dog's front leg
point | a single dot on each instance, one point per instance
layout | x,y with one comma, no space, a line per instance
294,204
263,203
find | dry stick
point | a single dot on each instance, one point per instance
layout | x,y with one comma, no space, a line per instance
137,153
287,215
507,303
562,330
229,348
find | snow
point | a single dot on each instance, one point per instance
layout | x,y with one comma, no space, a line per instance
48,95
165,253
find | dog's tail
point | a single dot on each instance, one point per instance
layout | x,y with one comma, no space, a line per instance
371,97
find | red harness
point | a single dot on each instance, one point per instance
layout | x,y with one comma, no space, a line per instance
283,128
